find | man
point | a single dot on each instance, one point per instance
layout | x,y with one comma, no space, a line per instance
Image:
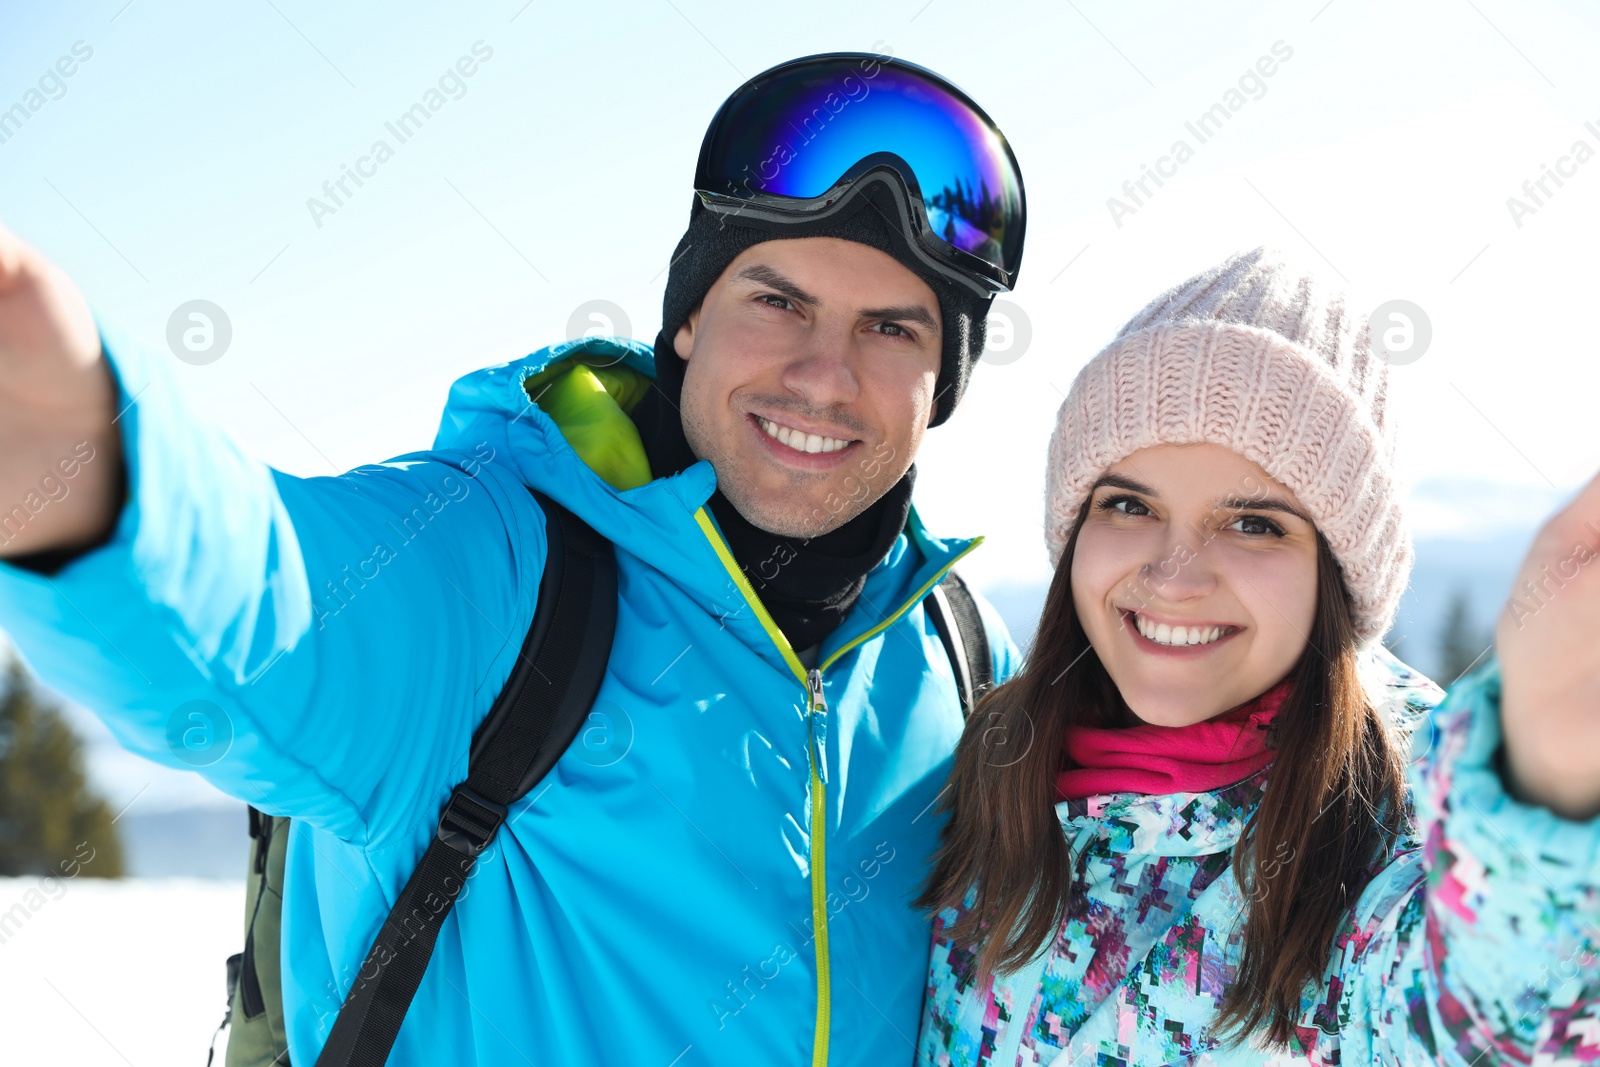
725,878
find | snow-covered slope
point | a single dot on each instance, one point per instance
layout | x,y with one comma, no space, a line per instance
114,973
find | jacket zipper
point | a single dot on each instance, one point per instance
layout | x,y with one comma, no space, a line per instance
816,753
819,724
818,720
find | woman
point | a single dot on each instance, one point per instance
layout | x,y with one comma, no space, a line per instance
1184,832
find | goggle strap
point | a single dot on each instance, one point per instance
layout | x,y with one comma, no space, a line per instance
803,212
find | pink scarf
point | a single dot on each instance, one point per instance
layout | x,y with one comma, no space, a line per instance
1156,760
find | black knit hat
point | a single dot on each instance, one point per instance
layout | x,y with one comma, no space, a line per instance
712,242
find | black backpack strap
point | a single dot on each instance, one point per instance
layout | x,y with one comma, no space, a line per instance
534,719
955,616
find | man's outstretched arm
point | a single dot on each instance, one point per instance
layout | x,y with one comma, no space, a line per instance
319,647
57,410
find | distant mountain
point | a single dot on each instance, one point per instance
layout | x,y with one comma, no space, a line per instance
1481,568
1019,604
199,842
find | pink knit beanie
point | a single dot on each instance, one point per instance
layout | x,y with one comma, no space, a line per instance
1261,357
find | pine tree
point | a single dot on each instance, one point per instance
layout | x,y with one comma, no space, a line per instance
1462,644
50,820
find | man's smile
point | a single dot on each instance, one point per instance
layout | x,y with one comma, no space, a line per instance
800,440
799,447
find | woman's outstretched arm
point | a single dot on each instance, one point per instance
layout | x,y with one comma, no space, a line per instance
1483,945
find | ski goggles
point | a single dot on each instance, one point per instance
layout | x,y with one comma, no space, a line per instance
800,141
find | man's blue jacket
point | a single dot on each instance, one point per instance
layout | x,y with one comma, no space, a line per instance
717,872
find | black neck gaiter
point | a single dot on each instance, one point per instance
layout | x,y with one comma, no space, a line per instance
807,586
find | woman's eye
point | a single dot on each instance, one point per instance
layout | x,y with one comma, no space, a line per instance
1257,525
1127,505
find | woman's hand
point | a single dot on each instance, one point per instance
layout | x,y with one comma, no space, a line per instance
1548,639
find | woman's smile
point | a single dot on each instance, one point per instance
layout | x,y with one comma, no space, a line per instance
1190,640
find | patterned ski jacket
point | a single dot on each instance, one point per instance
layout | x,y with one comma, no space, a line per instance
717,872
1475,944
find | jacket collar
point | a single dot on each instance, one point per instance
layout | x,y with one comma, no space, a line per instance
656,522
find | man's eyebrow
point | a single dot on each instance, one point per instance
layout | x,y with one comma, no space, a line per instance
905,313
762,274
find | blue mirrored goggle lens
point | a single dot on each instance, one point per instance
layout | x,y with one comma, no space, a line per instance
796,131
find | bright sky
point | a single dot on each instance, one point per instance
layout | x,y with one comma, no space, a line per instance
176,161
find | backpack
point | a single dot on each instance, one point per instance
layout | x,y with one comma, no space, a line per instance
530,725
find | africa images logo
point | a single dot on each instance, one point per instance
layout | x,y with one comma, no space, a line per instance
1202,128
337,191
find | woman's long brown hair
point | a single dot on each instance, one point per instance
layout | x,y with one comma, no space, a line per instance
1312,843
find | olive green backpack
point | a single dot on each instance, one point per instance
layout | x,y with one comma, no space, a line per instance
256,1036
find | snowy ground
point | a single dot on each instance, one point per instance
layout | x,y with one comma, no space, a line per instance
121,974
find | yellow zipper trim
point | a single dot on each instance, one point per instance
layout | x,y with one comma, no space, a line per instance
889,620
732,566
819,916
819,800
